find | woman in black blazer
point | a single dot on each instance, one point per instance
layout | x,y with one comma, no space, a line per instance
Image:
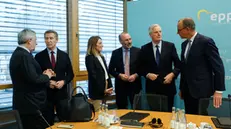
99,81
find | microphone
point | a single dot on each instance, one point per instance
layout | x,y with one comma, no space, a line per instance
137,100
40,113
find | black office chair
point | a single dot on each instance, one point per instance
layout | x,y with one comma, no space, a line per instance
206,108
10,119
151,102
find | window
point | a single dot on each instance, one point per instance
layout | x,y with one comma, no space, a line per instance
103,18
38,15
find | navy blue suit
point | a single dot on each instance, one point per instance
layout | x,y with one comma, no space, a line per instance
124,89
168,58
203,72
29,88
64,71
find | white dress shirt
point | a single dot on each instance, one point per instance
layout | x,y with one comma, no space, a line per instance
102,64
55,53
154,47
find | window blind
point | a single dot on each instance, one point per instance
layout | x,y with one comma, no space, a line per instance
103,18
38,15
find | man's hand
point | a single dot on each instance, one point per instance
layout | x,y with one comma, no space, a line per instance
132,78
217,99
59,84
124,77
168,78
52,84
152,76
108,91
49,72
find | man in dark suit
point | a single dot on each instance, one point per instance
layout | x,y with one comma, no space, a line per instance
29,82
59,61
123,66
202,72
157,59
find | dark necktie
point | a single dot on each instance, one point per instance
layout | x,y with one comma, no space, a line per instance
52,59
157,55
189,47
31,54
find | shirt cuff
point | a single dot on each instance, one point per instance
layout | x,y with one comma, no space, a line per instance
147,75
219,91
137,75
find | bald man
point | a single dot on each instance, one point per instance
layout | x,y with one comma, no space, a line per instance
202,70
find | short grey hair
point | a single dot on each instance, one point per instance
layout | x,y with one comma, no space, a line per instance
150,29
24,35
51,31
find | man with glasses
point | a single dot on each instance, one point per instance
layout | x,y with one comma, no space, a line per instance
157,59
202,70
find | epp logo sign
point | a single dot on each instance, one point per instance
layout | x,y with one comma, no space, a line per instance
222,18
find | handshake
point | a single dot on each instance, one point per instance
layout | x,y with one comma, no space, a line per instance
50,73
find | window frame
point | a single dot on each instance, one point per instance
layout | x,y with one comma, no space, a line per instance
73,40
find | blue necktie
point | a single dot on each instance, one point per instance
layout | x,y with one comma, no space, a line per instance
157,55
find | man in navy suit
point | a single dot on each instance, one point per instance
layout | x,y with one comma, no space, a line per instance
157,59
59,61
123,66
29,82
202,70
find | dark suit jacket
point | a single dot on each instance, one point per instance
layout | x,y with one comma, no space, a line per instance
29,82
116,67
96,77
168,58
203,71
63,70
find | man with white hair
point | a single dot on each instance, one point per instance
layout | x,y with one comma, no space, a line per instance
156,60
29,82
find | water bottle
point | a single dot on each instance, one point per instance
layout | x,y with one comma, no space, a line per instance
177,122
183,121
106,118
173,119
100,114
103,115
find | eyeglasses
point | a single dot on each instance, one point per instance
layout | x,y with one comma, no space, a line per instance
179,30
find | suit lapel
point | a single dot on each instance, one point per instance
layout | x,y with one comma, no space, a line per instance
163,51
47,58
131,56
184,44
193,47
105,64
120,56
58,57
151,53
98,62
